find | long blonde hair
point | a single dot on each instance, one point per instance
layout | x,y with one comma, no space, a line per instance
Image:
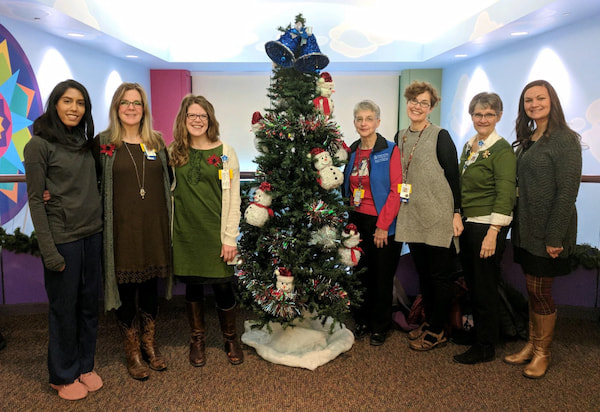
180,147
151,138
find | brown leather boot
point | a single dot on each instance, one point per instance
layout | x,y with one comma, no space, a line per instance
131,343
151,353
524,355
233,347
197,345
544,332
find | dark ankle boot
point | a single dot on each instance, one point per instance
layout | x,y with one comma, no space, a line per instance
477,353
2,342
233,347
131,344
197,346
151,353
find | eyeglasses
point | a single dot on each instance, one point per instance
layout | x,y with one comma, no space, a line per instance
368,119
194,116
127,103
423,103
486,116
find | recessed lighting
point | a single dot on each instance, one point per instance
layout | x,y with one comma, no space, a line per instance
519,33
132,56
460,55
76,35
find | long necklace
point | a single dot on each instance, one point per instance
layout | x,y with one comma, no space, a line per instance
137,175
412,152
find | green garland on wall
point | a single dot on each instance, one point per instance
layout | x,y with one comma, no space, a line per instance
19,242
586,256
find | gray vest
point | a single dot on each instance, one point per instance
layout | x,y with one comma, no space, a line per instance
427,217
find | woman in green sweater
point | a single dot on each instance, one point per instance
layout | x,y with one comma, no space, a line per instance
488,177
545,229
206,219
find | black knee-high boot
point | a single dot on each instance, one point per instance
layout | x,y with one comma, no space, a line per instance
197,345
233,348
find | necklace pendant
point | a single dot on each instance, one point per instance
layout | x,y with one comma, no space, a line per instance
142,192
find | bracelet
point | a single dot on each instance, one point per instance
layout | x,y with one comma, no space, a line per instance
495,228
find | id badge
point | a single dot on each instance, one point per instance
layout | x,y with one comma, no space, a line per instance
405,190
226,178
358,195
150,154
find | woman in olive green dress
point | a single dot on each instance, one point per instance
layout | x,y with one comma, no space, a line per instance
206,217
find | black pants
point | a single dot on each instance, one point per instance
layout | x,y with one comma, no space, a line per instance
73,309
482,277
224,296
137,295
378,279
437,270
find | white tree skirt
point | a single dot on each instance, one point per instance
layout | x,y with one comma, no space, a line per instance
308,344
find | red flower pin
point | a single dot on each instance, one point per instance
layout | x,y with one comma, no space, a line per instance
107,149
214,160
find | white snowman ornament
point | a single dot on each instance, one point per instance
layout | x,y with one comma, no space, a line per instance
350,254
340,150
330,176
284,280
258,212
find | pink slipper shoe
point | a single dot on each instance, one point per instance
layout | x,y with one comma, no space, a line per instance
91,381
71,391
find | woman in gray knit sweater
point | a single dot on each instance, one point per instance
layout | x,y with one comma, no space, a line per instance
68,226
545,224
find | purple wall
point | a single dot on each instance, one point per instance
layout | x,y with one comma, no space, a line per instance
23,277
579,288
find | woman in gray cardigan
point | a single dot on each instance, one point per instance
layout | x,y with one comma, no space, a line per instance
545,231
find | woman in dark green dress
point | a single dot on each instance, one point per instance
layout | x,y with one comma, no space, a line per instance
206,217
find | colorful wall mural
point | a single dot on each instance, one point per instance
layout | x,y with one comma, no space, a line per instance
20,105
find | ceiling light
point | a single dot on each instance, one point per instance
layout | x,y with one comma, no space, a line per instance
519,33
75,35
460,55
132,56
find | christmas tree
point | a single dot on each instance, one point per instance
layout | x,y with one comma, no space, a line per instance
296,253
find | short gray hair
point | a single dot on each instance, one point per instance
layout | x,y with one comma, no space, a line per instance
367,105
485,100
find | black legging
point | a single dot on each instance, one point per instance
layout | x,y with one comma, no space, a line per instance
147,300
378,280
224,297
437,268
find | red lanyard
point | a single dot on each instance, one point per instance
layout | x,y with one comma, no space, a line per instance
412,152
